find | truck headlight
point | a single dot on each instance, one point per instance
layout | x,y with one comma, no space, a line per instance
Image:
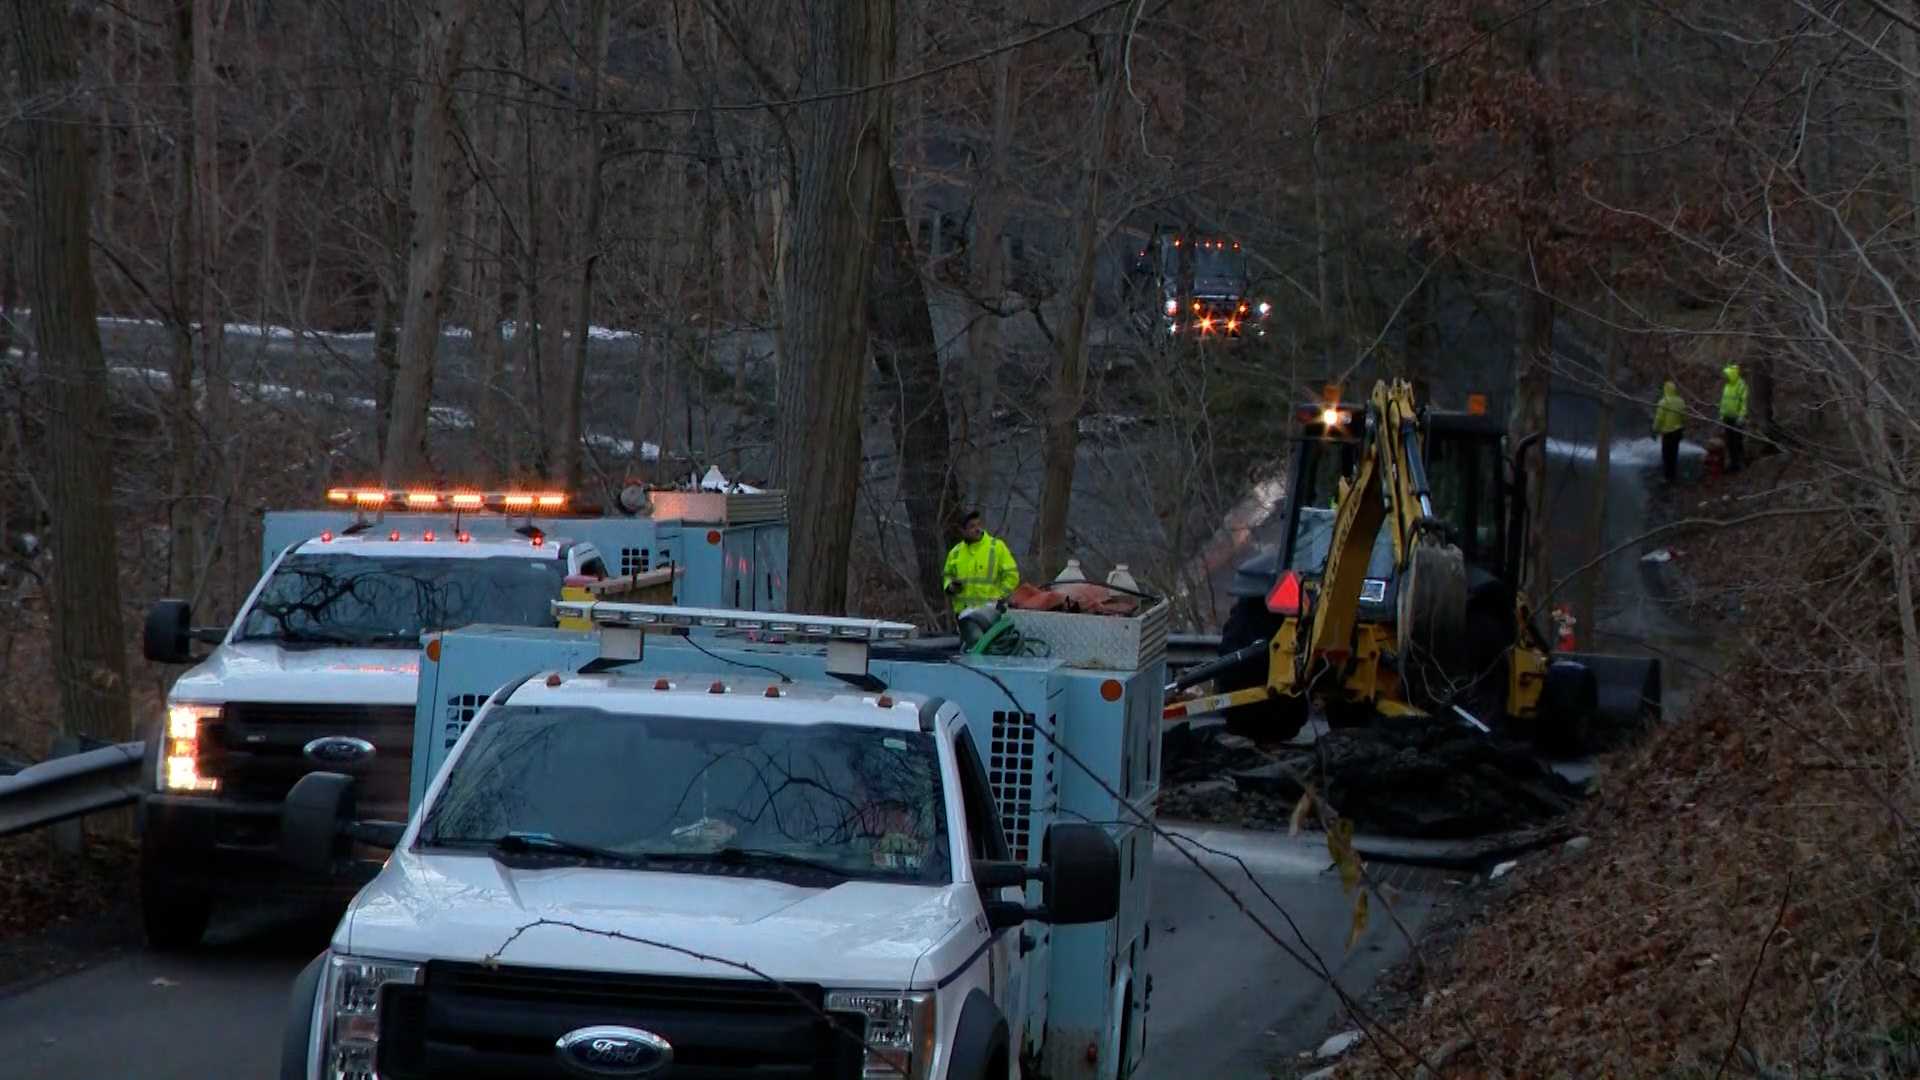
900,1033
350,1013
180,765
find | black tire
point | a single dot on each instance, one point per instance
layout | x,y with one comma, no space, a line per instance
1274,720
175,917
299,1030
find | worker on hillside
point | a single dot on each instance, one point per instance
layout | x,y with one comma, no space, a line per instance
979,568
1733,417
1669,417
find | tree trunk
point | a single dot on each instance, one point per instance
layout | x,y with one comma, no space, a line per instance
429,204
1588,607
183,426
843,162
1533,381
89,649
1063,432
909,361
990,263
206,220
566,448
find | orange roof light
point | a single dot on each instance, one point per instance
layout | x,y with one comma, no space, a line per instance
518,502
552,502
370,498
467,500
339,495
422,498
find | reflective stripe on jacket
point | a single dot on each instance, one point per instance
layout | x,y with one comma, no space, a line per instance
985,570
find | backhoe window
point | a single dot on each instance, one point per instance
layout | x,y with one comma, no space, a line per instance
1463,476
1327,462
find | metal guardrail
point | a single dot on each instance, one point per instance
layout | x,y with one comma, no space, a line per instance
70,787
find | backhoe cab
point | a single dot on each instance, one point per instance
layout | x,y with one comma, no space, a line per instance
1393,590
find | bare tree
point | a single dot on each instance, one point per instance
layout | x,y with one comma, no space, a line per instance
89,648
843,162
1069,387
907,354
566,444
442,40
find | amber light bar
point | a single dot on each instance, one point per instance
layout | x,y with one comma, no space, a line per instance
418,499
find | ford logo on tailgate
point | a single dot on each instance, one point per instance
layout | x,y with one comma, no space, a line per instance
338,750
614,1051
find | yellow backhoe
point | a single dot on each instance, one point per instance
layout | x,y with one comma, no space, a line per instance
1398,621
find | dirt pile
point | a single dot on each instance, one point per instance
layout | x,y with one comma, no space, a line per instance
1410,778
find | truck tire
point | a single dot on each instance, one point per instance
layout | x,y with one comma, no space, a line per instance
299,1029
174,917
1275,720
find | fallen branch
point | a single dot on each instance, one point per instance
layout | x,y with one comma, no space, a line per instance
1753,976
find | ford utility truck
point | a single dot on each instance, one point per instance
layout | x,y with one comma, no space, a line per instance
320,667
804,848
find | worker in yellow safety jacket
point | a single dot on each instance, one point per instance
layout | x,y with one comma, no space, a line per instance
980,568
1669,417
1733,417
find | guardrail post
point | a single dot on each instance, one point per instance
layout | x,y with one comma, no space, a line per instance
66,837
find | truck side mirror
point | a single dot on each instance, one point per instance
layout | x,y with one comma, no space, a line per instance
168,636
1079,873
312,821
1083,875
169,633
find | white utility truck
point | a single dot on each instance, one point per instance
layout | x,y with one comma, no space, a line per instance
320,668
805,848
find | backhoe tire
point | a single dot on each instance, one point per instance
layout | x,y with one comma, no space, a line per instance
1276,720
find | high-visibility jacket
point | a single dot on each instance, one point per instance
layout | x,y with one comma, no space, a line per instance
1733,398
985,570
1671,413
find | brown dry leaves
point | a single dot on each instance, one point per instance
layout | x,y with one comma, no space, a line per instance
1634,958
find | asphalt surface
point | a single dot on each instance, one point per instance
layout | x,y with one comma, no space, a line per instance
1225,997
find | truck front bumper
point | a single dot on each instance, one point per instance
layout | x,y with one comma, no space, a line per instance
228,848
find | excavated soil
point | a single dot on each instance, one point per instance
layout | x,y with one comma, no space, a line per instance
1417,779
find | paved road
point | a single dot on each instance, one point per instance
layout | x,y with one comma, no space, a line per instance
1225,998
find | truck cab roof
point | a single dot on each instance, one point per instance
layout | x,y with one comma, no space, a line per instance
377,544
740,698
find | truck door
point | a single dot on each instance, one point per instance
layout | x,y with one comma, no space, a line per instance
1006,964
770,567
736,577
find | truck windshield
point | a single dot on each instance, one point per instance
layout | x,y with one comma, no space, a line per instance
674,793
343,599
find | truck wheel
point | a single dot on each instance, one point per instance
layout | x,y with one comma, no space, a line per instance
1276,720
174,916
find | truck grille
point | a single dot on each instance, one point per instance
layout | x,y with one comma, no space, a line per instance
256,749
469,1021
